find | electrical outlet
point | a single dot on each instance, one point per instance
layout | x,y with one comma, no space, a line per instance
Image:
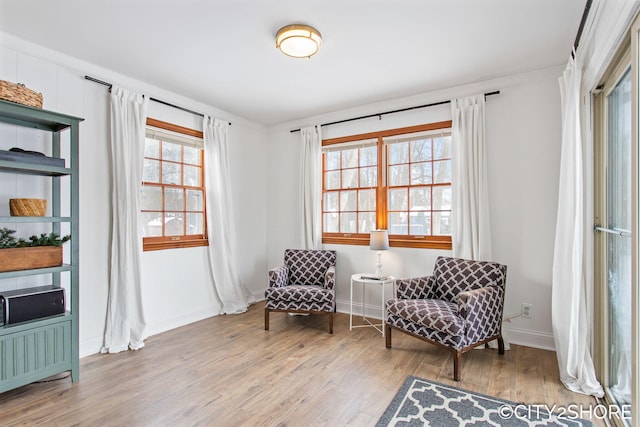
526,310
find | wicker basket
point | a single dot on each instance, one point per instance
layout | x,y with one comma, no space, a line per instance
27,207
20,94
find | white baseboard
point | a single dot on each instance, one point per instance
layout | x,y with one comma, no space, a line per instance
536,339
93,345
90,346
258,295
181,320
371,311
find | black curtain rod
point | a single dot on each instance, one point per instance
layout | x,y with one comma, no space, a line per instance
368,116
583,21
159,101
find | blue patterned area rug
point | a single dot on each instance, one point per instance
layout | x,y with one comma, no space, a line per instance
425,403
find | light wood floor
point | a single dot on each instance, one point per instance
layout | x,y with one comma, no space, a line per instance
229,371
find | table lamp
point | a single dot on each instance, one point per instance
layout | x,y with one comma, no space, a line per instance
379,241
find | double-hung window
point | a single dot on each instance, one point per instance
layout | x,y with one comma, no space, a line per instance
173,196
399,180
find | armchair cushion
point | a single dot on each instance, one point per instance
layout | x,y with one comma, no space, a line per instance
300,293
308,267
454,275
416,288
438,315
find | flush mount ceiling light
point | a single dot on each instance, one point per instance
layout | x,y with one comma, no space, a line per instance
299,41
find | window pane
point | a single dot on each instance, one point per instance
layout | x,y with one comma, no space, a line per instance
152,148
331,202
348,201
170,173
350,158
173,199
420,199
348,222
369,177
398,223
421,150
442,198
442,147
151,224
192,176
398,199
369,156
421,173
442,223
172,196
420,224
194,223
151,172
194,200
332,180
349,178
398,153
332,160
330,223
173,224
367,200
366,222
192,155
171,151
151,198
442,171
398,175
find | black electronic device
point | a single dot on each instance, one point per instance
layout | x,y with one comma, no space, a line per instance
31,303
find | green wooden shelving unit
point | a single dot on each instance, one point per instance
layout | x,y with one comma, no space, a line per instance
34,350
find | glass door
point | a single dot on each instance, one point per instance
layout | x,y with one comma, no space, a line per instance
618,242
614,243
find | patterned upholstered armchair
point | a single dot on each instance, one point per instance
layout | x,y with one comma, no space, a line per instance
304,284
459,307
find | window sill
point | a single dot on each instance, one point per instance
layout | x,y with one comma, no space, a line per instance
156,245
422,242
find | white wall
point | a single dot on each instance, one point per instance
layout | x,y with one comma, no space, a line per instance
523,133
523,129
177,287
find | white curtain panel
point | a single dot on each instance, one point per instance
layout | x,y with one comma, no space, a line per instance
126,324
233,295
470,231
569,319
311,187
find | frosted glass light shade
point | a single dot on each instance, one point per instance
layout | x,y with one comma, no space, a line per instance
298,41
379,240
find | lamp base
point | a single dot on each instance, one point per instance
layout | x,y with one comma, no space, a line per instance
378,272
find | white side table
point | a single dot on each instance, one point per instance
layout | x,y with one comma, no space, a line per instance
365,283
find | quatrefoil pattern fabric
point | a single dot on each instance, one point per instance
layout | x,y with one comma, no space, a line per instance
308,267
459,305
305,282
454,275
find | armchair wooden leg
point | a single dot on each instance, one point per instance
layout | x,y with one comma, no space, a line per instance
500,345
387,335
457,361
266,319
331,322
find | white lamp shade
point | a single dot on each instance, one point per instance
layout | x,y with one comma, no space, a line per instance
379,240
299,41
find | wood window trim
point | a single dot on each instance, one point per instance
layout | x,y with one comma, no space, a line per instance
188,241
401,241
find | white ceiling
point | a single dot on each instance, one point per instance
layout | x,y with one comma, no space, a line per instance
222,52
